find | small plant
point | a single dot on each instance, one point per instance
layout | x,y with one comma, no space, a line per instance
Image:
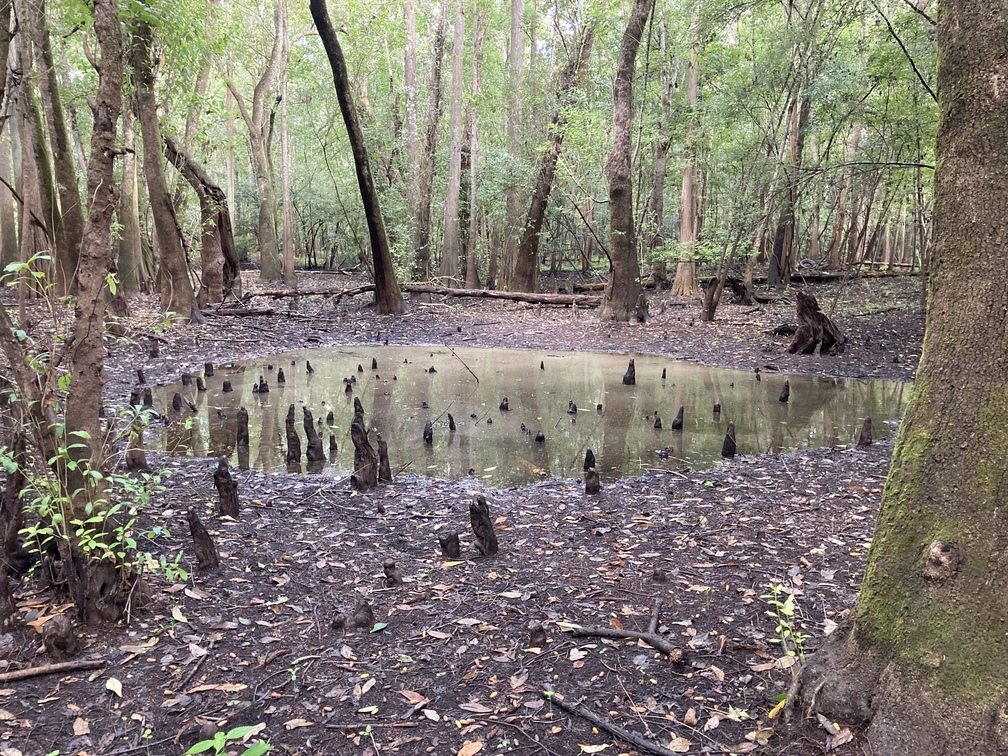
218,743
783,611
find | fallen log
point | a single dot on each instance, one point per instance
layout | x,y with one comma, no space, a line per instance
581,300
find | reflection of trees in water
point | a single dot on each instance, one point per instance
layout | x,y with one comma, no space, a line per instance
821,411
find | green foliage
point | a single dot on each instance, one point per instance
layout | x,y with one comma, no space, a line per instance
784,612
217,745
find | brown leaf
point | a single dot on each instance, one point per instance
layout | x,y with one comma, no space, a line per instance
81,727
470,747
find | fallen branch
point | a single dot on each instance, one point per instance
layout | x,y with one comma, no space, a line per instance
512,296
238,312
52,669
288,293
628,736
651,636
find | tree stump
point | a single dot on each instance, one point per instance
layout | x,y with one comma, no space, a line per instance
263,386
449,543
332,447
148,398
728,447
815,329
208,369
657,421
428,433
186,378
227,490
384,468
281,378
293,440
451,422
226,386
392,575
243,431
630,376
59,638
592,483
482,525
365,475
589,461
314,452
504,405
200,383
374,363
330,419
865,439
176,402
207,557
785,393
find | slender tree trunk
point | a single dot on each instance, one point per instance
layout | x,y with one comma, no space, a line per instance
512,120
388,298
783,258
133,274
424,175
35,184
923,665
285,159
270,268
69,223
472,275
8,227
623,298
451,247
526,275
833,257
685,283
176,285
655,221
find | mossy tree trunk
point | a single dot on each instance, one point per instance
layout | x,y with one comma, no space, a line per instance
926,660
623,297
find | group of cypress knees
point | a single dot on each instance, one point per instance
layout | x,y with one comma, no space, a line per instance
485,539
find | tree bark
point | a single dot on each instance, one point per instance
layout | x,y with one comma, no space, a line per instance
133,273
388,297
526,275
287,221
176,285
923,664
624,299
512,119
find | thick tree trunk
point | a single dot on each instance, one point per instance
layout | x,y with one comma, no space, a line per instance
388,298
624,298
526,275
424,175
176,285
287,220
924,664
219,260
70,221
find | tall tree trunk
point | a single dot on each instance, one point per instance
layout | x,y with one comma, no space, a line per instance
133,274
924,665
256,121
35,183
219,260
69,223
512,120
472,275
685,283
388,298
176,285
8,228
424,174
623,298
783,259
833,258
287,222
448,269
526,275
655,220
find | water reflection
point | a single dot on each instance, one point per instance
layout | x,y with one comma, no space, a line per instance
411,385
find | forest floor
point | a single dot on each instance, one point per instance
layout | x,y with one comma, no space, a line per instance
706,558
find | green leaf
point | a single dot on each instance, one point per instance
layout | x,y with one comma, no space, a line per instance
258,749
379,626
202,747
237,733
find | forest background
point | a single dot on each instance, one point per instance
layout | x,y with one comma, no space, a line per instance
763,132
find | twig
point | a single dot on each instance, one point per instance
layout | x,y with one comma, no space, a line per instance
623,734
52,669
463,365
650,637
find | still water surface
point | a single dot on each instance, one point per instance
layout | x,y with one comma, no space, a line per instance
401,395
